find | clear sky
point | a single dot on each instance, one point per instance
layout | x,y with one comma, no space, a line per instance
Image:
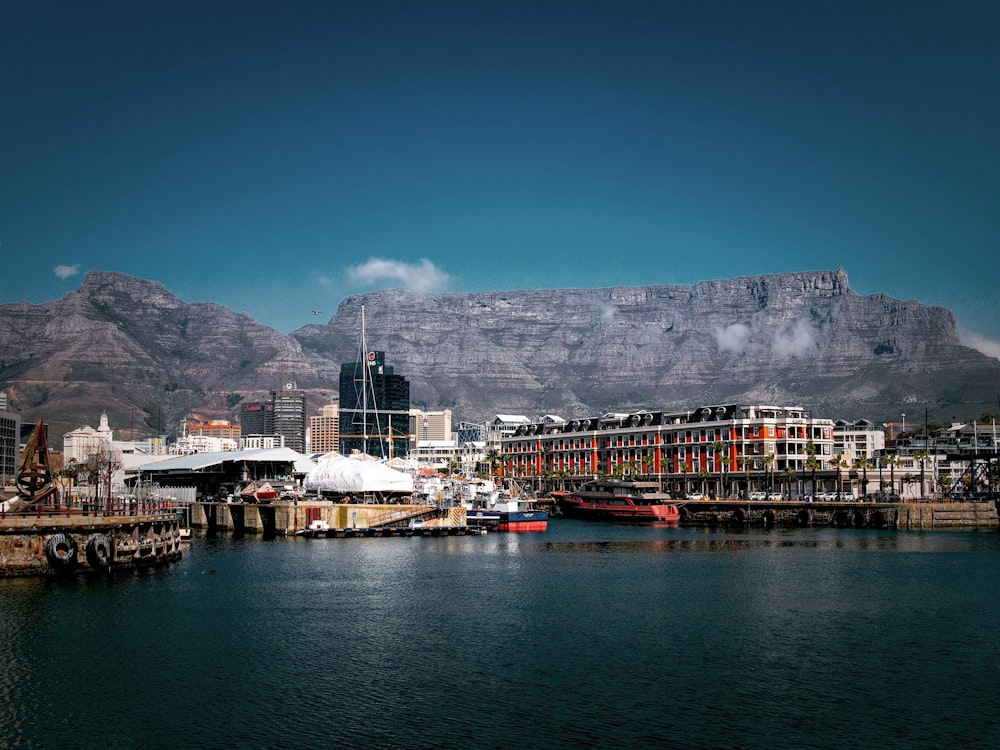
277,156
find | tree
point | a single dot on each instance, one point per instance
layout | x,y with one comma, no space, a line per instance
863,463
892,459
839,462
812,464
704,474
745,463
922,456
789,475
685,468
493,458
769,466
718,449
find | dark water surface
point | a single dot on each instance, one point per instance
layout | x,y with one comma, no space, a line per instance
585,636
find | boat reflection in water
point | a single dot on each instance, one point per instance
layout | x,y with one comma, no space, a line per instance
620,500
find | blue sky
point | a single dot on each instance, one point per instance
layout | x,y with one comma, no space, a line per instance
275,157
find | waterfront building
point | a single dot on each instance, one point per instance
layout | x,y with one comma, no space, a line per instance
218,428
290,416
504,426
435,454
82,443
257,418
188,444
261,442
324,430
857,440
729,449
10,441
374,408
430,425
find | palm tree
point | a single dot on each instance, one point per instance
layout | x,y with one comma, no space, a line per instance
718,448
790,476
685,468
863,463
769,466
812,464
745,463
921,455
892,459
726,489
704,474
839,462
493,458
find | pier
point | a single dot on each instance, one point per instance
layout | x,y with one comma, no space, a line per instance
342,520
858,515
71,543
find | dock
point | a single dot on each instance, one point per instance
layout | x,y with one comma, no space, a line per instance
340,520
925,515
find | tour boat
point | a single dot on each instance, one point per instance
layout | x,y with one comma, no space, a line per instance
608,499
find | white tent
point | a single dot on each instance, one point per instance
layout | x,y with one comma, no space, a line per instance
349,475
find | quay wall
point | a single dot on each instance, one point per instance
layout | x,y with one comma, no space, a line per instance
907,516
289,518
33,545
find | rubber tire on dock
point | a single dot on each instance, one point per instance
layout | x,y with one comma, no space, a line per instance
99,552
770,517
805,517
740,515
60,551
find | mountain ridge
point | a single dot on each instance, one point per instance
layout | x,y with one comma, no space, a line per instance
133,349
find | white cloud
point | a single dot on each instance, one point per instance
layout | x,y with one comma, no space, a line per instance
607,311
987,346
795,339
733,338
422,277
64,272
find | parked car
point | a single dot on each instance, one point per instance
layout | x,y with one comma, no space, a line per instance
695,496
758,496
775,496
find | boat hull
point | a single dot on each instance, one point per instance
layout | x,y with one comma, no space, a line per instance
573,506
514,520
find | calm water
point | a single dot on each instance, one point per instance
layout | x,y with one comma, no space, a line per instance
585,636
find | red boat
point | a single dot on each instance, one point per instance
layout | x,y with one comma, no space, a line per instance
609,499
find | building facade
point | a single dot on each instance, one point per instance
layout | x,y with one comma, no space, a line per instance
733,448
290,416
374,408
430,425
324,430
257,418
10,442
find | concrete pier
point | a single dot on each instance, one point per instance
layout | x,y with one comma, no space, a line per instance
289,518
914,516
62,543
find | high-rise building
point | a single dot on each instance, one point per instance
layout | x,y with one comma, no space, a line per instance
324,430
10,442
430,425
374,408
290,416
257,418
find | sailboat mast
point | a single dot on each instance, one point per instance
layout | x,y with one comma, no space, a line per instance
364,384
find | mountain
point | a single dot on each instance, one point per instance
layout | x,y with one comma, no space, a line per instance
131,348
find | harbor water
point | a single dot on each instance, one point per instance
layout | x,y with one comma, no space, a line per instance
585,636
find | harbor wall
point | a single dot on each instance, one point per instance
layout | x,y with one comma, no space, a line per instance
906,516
289,518
60,544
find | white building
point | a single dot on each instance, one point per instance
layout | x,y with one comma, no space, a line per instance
857,440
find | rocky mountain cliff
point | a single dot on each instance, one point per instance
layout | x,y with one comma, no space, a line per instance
131,348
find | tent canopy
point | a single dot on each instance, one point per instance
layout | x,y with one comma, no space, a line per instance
349,475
